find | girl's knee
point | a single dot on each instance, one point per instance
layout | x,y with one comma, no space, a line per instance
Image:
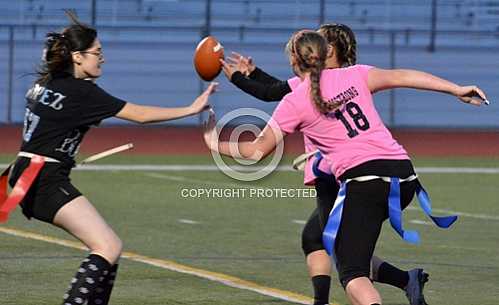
109,248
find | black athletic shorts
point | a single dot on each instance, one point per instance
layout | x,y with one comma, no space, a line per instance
51,190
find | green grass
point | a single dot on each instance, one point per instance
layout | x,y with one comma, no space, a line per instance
250,238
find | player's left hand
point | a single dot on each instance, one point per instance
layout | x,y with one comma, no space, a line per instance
201,102
472,95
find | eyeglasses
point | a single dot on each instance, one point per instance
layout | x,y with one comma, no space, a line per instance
99,54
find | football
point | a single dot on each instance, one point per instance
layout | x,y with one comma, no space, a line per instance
207,58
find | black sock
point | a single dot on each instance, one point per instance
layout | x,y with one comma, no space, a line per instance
391,275
86,280
103,290
321,285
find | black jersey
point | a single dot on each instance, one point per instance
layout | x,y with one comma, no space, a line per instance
59,114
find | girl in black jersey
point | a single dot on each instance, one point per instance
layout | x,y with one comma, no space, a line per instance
243,73
61,107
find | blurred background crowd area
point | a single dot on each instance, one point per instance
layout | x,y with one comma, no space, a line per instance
148,47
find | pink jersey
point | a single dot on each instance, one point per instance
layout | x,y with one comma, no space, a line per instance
308,174
294,82
348,137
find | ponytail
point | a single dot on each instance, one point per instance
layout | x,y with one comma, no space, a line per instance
57,54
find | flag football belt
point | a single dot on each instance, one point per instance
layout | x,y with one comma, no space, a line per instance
8,202
315,167
31,156
394,208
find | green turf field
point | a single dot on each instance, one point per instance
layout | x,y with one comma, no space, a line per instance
253,239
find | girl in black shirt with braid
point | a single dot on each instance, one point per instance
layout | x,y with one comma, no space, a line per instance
61,107
245,75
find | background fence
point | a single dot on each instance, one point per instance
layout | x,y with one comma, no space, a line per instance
148,47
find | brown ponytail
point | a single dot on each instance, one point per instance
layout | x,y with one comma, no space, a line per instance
342,39
57,55
308,51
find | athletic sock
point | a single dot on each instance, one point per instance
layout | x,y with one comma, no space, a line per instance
321,284
86,280
391,275
104,288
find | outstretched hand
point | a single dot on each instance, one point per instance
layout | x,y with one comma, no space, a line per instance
210,131
472,95
237,63
244,64
201,102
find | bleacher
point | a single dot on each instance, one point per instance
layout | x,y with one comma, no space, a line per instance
397,14
149,45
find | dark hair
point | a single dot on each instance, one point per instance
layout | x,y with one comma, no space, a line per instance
309,50
58,47
342,38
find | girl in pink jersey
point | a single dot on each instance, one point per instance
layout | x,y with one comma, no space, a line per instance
244,74
334,109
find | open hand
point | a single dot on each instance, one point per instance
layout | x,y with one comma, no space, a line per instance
242,64
201,102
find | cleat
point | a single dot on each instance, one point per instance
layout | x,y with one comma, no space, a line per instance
415,286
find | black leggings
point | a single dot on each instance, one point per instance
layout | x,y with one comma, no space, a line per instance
311,238
364,211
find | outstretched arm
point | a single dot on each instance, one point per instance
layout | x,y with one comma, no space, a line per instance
263,77
380,79
269,92
257,149
246,76
149,114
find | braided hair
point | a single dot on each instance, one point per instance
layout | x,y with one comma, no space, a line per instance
342,38
308,52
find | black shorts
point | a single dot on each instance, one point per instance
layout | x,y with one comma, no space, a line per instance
51,190
364,211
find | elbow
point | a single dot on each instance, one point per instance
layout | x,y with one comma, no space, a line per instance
268,98
256,155
271,97
401,78
253,157
141,118
141,121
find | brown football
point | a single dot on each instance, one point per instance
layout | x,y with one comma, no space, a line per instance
207,58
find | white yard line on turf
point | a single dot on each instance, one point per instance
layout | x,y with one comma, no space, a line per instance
188,221
464,214
225,279
214,168
190,180
411,208
421,222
